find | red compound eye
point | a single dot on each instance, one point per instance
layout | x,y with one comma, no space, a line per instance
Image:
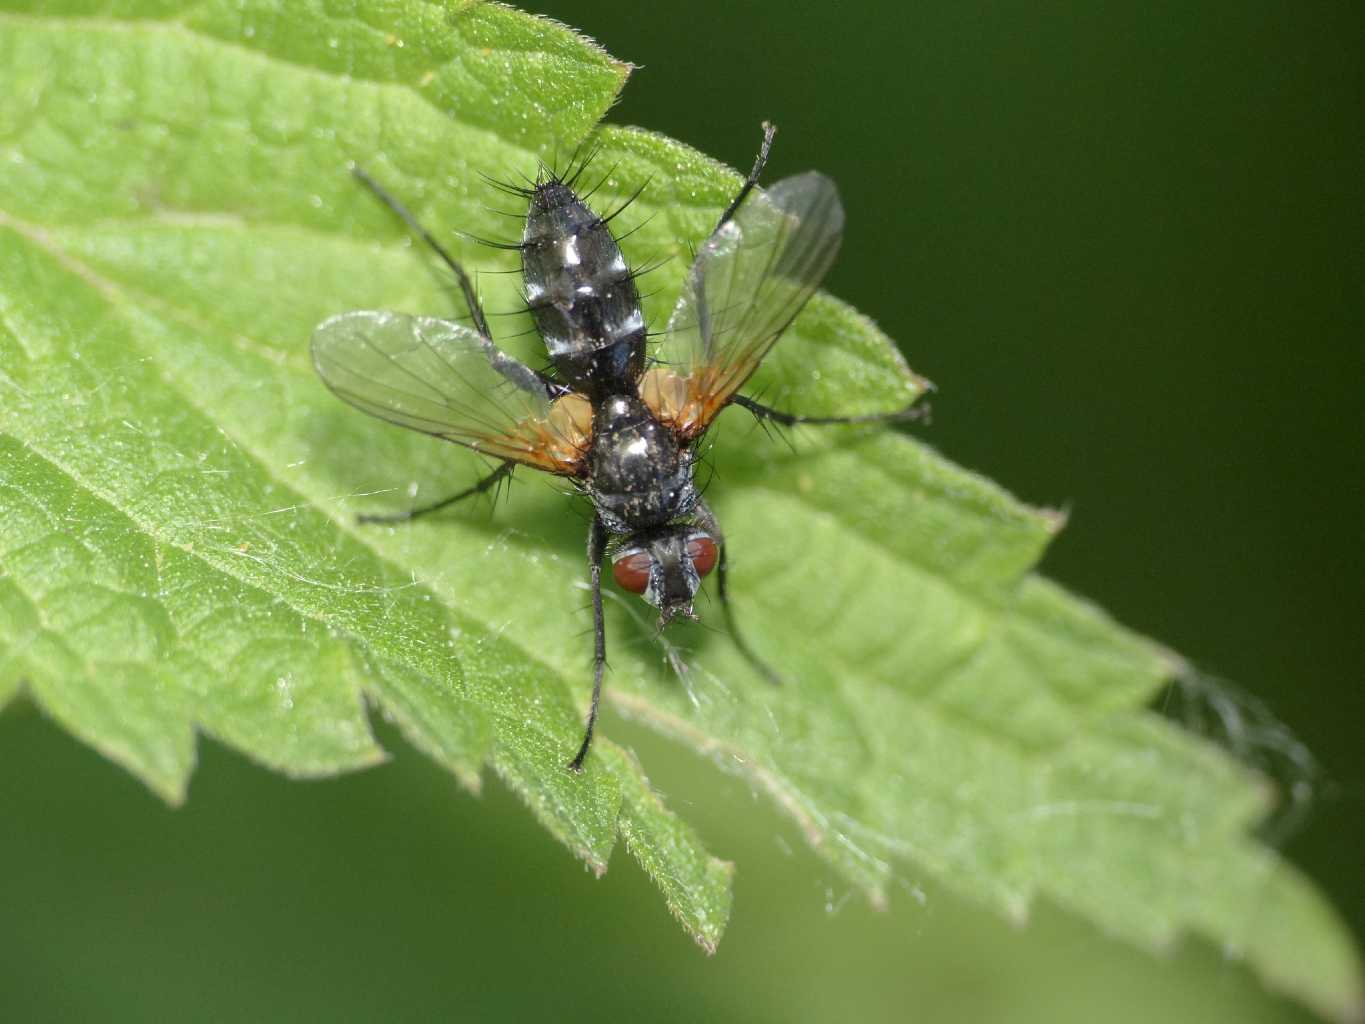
632,571
702,550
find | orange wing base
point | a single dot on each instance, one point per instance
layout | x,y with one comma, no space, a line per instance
557,443
686,405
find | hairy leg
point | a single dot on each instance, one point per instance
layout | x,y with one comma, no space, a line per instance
769,130
512,369
492,479
597,547
787,419
706,519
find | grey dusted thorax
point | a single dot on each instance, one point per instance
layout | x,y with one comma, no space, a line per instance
638,475
581,294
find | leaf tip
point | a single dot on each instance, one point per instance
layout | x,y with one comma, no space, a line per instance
174,792
1017,910
1054,519
469,780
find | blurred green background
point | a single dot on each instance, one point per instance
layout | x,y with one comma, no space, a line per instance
1127,241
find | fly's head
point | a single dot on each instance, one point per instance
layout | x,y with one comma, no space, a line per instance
665,567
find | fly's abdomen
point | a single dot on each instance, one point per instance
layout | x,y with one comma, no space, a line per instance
581,293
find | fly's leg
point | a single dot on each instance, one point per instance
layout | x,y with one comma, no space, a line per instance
706,519
787,419
764,669
769,130
597,547
512,369
703,313
491,480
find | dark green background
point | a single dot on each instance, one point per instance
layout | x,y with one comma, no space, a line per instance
1128,243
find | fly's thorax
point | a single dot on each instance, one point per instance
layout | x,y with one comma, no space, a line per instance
639,476
581,293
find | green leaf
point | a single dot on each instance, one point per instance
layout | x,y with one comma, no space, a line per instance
179,551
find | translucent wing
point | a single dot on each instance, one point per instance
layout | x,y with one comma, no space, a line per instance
440,378
748,283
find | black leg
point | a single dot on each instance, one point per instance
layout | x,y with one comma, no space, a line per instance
704,314
769,130
597,546
493,478
706,519
512,369
787,419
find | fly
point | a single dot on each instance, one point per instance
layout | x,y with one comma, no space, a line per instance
619,416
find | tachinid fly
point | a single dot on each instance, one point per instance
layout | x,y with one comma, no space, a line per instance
620,415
